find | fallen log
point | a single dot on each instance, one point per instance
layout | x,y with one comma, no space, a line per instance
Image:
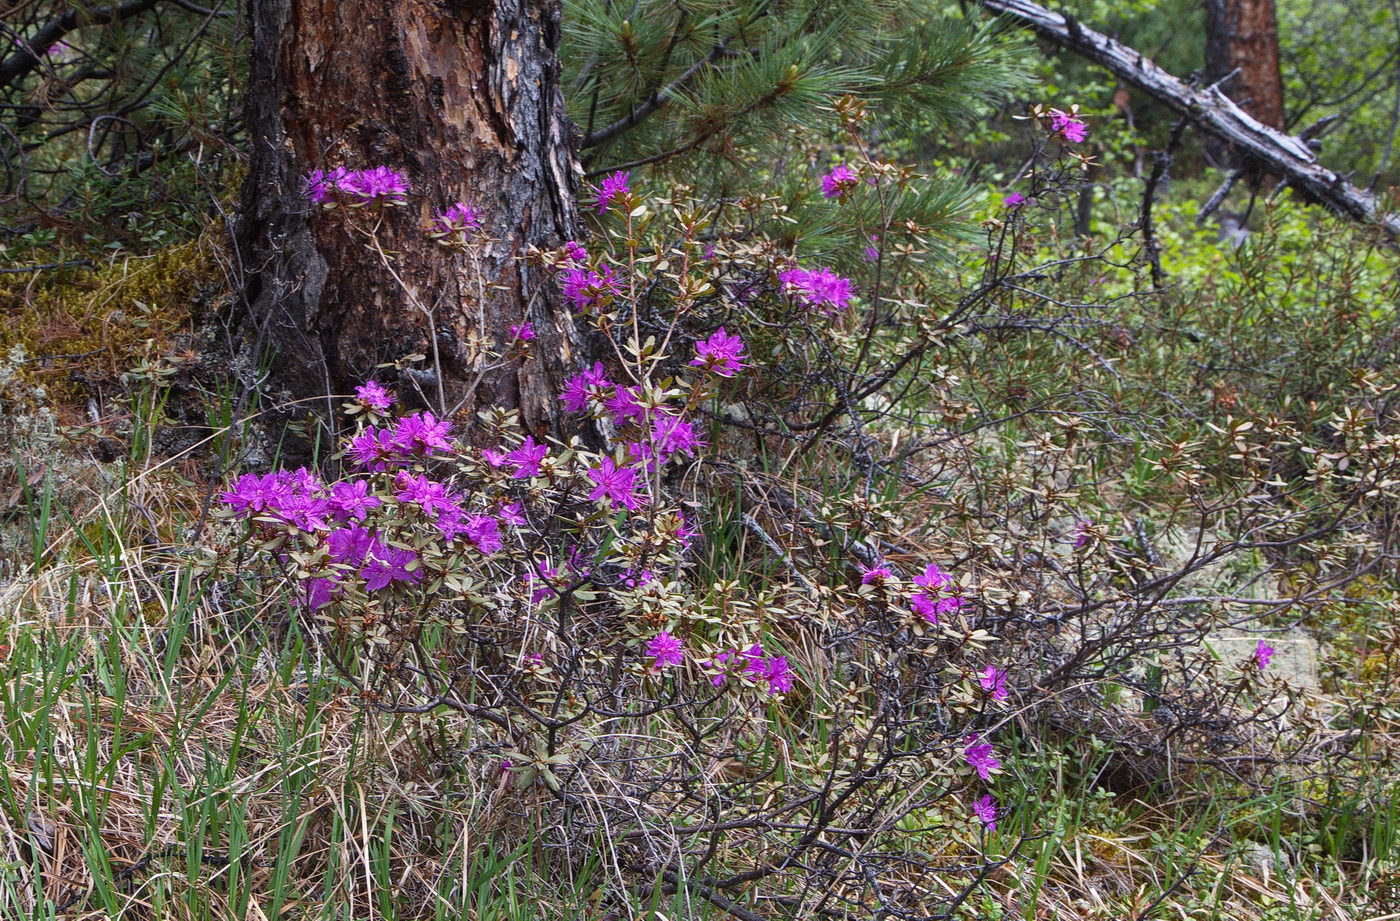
1210,111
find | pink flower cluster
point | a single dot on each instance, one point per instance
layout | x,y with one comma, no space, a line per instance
838,182
939,595
415,436
1068,127
668,651
721,353
820,289
659,433
751,663
613,186
357,553
459,220
296,499
993,681
372,395
356,187
586,289
981,756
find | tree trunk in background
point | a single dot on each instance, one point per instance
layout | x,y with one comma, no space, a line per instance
463,97
1243,35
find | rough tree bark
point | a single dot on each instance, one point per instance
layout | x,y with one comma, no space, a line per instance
463,97
1242,56
1243,35
1208,110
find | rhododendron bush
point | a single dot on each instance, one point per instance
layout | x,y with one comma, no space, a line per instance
842,711
550,592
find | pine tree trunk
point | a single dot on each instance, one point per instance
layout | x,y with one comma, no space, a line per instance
1243,35
462,97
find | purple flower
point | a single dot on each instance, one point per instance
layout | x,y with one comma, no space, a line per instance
367,185
57,50
373,395
817,288
926,606
672,435
1262,654
428,494
1081,531
585,289
547,574
872,254
319,592
721,353
390,564
351,500
934,578
294,498
452,522
720,663
614,483
641,455
624,406
575,252
778,674
585,386
755,663
982,757
612,186
875,576
666,650
350,546
422,434
1068,127
252,493
485,533
527,458
939,599
522,332
319,184
993,679
356,187
986,811
838,182
307,513
375,449
1013,201
459,218
684,532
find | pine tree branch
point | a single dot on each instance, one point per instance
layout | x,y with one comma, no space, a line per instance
1210,111
653,102
28,57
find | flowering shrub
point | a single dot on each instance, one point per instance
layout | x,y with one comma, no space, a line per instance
799,721
550,591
